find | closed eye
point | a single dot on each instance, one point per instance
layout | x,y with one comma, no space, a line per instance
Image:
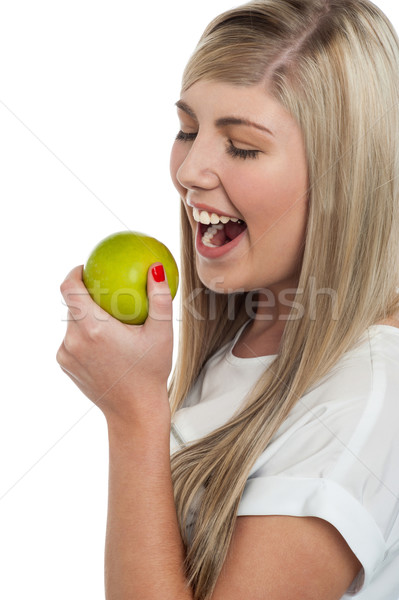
241,152
186,137
230,149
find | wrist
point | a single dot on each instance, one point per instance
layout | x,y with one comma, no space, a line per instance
134,450
149,427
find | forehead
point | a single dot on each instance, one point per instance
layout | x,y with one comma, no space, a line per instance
215,100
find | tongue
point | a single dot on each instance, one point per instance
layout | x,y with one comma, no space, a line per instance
220,238
234,229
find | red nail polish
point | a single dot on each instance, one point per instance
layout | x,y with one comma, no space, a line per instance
158,273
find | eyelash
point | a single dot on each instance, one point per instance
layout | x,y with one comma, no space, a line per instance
240,152
186,137
231,149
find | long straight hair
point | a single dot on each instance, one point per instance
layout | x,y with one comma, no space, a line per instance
333,64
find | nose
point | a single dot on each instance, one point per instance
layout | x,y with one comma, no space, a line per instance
198,169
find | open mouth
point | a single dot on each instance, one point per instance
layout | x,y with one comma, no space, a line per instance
221,234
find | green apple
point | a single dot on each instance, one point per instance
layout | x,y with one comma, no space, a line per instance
115,274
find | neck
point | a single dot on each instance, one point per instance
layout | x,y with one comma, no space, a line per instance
269,311
271,307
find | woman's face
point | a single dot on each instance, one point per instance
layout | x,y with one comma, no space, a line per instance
240,154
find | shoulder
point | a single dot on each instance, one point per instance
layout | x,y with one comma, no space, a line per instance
381,353
366,371
336,457
351,413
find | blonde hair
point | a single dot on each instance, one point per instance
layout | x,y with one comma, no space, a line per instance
333,64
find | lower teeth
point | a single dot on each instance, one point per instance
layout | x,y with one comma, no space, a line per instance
209,233
208,243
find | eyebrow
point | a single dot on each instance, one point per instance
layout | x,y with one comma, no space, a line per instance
224,121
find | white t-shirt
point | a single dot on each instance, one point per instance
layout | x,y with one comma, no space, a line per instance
335,457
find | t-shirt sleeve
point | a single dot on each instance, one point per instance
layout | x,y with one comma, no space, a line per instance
324,499
337,457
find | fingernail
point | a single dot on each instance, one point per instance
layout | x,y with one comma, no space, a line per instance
158,273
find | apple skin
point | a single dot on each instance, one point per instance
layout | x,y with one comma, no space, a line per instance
115,274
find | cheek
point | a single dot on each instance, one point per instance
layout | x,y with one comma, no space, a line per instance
177,156
251,193
266,193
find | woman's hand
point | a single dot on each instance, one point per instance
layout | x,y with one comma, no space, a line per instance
122,368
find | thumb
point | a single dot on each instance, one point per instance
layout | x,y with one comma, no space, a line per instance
159,298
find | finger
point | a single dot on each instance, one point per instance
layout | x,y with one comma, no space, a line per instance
65,359
78,299
159,300
74,292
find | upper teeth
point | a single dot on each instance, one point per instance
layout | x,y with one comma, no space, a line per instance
206,218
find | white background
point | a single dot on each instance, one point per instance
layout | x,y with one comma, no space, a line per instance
87,119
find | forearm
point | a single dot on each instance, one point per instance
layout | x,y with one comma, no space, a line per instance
144,553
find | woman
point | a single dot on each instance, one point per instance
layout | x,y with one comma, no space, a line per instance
282,482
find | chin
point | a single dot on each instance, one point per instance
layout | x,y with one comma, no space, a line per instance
221,284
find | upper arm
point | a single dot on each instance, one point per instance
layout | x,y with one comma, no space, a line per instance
286,558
